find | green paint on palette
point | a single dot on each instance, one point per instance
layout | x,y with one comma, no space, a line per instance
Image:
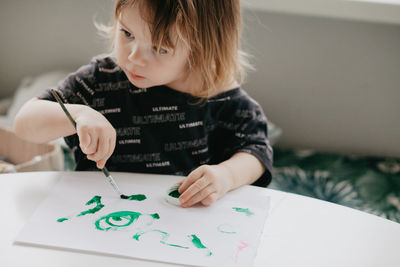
245,211
163,240
197,243
120,219
62,219
138,197
95,200
175,194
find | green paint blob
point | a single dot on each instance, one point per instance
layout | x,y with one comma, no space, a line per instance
137,236
95,200
245,211
175,194
155,216
197,243
138,197
164,238
119,219
62,219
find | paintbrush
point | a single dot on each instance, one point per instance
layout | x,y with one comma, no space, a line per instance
105,171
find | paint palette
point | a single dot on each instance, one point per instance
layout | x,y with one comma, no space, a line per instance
173,195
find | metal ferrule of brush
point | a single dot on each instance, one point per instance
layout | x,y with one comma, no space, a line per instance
111,180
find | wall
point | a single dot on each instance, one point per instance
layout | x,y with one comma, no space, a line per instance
44,35
331,84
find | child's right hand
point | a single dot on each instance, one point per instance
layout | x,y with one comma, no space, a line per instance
97,136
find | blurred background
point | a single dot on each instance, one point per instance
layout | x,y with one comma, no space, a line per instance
327,71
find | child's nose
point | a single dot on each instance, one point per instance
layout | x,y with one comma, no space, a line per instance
137,56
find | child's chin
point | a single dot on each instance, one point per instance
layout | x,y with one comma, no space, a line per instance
140,84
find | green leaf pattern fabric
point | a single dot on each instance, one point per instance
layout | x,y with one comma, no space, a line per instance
370,184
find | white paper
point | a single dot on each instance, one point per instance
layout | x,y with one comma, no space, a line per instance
226,235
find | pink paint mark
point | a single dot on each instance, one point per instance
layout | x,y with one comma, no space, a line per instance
242,245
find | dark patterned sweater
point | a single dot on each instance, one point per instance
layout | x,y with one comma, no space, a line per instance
160,130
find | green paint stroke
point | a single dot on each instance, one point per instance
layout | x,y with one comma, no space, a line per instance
164,238
120,219
226,228
245,211
197,243
138,197
175,194
95,200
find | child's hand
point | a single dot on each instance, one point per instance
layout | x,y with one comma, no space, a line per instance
96,136
205,185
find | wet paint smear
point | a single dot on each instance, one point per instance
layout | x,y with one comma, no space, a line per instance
226,228
175,194
95,200
138,197
120,219
245,211
197,243
164,238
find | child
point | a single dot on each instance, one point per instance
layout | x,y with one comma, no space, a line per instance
166,100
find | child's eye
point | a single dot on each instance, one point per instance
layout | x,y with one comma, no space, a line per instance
162,51
127,34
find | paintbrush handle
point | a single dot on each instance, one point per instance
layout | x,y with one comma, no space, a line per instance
57,97
105,170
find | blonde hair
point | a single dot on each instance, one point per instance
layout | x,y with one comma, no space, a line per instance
211,29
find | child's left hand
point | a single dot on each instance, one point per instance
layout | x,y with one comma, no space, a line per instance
205,185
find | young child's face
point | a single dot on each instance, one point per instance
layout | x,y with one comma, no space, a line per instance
139,59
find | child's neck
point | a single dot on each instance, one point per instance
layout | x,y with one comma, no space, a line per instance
188,85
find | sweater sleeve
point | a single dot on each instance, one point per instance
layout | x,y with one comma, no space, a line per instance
77,88
245,129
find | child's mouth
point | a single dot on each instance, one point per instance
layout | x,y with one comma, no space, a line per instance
135,76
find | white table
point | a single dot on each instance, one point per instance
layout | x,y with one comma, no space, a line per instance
299,231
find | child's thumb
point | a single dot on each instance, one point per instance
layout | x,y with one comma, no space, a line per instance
101,163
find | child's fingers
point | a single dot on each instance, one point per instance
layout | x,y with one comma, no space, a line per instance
101,151
198,188
190,179
91,148
84,139
111,146
102,162
210,199
199,196
94,142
